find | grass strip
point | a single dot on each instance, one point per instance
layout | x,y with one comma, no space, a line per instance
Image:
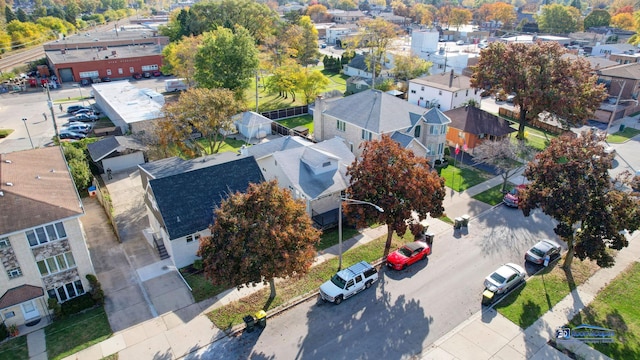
75,333
460,178
492,196
14,349
623,136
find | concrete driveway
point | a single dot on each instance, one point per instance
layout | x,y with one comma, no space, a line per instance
138,286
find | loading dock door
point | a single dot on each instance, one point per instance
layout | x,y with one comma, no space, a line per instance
66,75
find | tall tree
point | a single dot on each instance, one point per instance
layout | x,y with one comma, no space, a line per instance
318,13
623,21
570,182
310,83
503,12
22,16
258,236
180,57
597,18
409,67
541,79
504,155
226,60
397,181
376,34
459,17
559,19
199,110
307,48
9,15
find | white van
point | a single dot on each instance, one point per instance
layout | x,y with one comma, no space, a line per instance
174,85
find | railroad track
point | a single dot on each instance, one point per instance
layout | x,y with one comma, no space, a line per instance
15,60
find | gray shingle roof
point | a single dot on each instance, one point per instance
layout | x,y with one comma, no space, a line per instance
403,139
625,71
187,200
359,62
375,111
280,144
476,121
175,165
102,148
442,80
437,117
250,119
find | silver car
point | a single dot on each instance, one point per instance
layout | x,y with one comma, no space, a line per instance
541,250
505,278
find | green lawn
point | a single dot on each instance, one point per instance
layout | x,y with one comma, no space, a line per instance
303,120
14,349
616,307
72,334
622,136
460,178
232,314
526,304
493,196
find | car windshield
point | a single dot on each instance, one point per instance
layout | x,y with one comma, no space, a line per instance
498,279
514,191
537,251
338,281
404,251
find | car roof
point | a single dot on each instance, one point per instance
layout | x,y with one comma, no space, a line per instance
545,244
415,245
509,269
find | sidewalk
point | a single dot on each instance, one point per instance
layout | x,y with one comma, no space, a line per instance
489,335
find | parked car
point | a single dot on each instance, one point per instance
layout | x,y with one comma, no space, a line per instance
512,198
79,128
157,73
66,134
510,98
505,278
84,110
541,250
460,42
85,117
408,255
146,75
137,76
348,282
73,108
106,79
71,122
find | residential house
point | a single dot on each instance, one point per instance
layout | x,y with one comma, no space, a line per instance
470,126
313,172
335,35
181,195
117,153
606,50
356,84
444,91
42,245
347,17
623,84
370,114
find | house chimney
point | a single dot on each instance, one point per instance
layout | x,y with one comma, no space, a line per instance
451,79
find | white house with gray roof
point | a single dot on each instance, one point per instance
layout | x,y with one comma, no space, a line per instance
313,172
445,91
370,114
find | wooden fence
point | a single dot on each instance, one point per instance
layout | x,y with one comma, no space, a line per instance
536,123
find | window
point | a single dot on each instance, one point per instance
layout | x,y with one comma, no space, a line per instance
4,243
67,291
439,92
120,71
190,238
56,263
440,148
341,125
366,135
44,234
416,132
109,72
326,163
9,314
131,70
421,88
14,273
89,74
413,91
149,67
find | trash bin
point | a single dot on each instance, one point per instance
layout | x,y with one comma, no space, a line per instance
261,318
487,297
465,220
250,322
92,191
428,238
457,223
621,127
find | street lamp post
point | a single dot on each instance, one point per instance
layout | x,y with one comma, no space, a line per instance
28,134
352,201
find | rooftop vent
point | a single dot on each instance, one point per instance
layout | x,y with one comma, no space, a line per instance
8,161
9,184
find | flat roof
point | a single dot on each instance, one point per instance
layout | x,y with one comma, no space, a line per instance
131,103
98,53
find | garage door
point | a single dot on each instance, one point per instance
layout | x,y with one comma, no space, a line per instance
66,75
123,162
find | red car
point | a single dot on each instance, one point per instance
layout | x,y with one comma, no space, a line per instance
408,254
512,198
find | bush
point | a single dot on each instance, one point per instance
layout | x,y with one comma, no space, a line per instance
55,306
77,304
4,332
198,264
447,151
97,294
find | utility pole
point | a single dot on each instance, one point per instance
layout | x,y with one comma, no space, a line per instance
53,116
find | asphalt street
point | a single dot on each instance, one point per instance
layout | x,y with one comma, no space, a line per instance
405,311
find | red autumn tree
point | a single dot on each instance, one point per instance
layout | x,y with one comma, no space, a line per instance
258,236
570,182
397,181
541,80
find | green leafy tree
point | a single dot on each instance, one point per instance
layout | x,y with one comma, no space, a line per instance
597,18
9,15
307,47
258,236
541,79
570,182
559,19
376,34
459,17
226,60
396,180
310,83
5,42
180,57
58,25
71,11
22,16
283,82
409,67
27,33
74,153
199,110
